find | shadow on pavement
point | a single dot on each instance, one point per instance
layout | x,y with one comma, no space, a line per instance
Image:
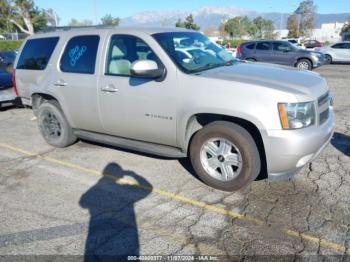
112,232
341,142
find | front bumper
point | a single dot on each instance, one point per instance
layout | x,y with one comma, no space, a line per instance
287,151
317,62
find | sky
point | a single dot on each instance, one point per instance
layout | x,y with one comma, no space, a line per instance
95,9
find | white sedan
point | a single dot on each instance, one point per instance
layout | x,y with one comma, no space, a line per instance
339,52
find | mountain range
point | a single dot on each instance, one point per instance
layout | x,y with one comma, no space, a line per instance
211,17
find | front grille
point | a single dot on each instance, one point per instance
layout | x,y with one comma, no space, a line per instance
323,99
323,107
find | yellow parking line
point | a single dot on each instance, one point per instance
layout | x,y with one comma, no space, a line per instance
182,199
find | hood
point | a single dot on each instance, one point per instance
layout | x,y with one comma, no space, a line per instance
309,52
285,79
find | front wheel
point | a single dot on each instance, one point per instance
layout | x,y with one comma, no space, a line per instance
304,64
225,156
328,59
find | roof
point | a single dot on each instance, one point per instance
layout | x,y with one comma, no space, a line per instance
120,30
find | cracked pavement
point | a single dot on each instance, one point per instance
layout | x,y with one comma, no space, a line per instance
50,207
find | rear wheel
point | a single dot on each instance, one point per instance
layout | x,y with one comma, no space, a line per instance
329,59
304,64
53,125
225,156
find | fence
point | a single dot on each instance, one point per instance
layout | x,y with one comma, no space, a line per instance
12,36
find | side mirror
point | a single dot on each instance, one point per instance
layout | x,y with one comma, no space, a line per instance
146,69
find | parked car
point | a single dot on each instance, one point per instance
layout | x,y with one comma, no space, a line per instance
234,119
280,52
339,52
312,44
7,58
294,41
7,94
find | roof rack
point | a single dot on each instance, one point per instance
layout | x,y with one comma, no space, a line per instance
67,28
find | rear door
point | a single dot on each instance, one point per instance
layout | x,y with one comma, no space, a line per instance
282,53
263,52
75,82
339,52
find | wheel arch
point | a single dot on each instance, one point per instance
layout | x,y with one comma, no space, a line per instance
200,120
39,98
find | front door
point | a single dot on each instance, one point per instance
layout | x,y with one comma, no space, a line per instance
136,108
282,53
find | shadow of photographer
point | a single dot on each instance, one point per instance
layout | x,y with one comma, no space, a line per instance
112,228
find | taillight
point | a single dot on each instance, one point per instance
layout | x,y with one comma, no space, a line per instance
14,82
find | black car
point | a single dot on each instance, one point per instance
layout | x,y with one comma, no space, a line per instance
280,52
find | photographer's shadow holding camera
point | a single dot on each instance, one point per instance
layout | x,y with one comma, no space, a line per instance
112,227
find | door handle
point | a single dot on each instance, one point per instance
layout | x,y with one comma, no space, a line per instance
61,83
109,88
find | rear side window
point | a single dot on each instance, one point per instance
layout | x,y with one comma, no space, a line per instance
250,46
263,46
340,46
36,53
80,55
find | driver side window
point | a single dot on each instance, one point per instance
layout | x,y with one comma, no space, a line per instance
125,50
281,47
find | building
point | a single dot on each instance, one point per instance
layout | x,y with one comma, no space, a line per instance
329,32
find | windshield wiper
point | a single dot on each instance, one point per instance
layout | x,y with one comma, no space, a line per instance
206,67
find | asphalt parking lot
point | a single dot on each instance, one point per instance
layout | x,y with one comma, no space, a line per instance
94,199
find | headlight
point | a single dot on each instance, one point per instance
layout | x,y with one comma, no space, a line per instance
316,56
296,115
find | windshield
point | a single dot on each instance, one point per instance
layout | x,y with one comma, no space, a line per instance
193,52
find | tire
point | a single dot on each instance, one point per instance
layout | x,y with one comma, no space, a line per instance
243,148
304,64
54,126
329,59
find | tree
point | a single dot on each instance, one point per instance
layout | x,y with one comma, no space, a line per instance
5,16
306,10
238,26
222,31
109,20
180,23
293,26
345,28
301,22
262,28
21,14
74,22
26,16
52,17
188,23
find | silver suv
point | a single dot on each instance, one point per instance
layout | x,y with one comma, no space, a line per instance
174,93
